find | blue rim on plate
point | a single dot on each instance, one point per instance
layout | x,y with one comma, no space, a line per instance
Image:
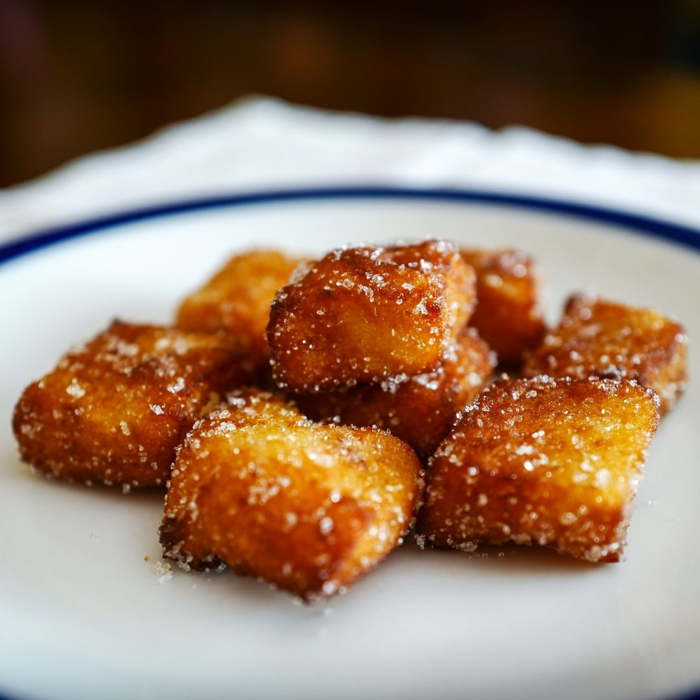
650,226
676,233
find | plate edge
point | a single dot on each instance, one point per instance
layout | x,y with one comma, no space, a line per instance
678,234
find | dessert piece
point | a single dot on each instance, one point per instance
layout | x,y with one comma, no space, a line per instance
419,409
606,339
236,300
304,506
551,462
366,314
114,410
507,312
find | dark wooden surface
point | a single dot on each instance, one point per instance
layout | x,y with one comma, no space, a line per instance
76,76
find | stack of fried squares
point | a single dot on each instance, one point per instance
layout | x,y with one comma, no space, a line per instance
306,414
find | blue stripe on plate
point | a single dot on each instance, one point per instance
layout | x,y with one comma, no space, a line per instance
666,230
676,233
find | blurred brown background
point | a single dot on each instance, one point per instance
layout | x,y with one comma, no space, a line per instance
76,76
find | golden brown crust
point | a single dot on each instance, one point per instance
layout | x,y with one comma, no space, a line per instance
114,410
420,409
237,299
306,507
365,314
507,313
607,339
542,461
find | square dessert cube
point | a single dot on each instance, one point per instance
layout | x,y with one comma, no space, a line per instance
304,506
237,299
114,410
507,313
419,409
607,339
365,314
549,462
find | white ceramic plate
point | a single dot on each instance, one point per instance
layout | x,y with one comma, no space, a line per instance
83,615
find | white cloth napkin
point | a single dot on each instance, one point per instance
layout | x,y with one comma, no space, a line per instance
262,143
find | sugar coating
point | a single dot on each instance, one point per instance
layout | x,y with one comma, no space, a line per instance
419,409
114,410
607,339
304,506
542,461
507,313
366,314
236,300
